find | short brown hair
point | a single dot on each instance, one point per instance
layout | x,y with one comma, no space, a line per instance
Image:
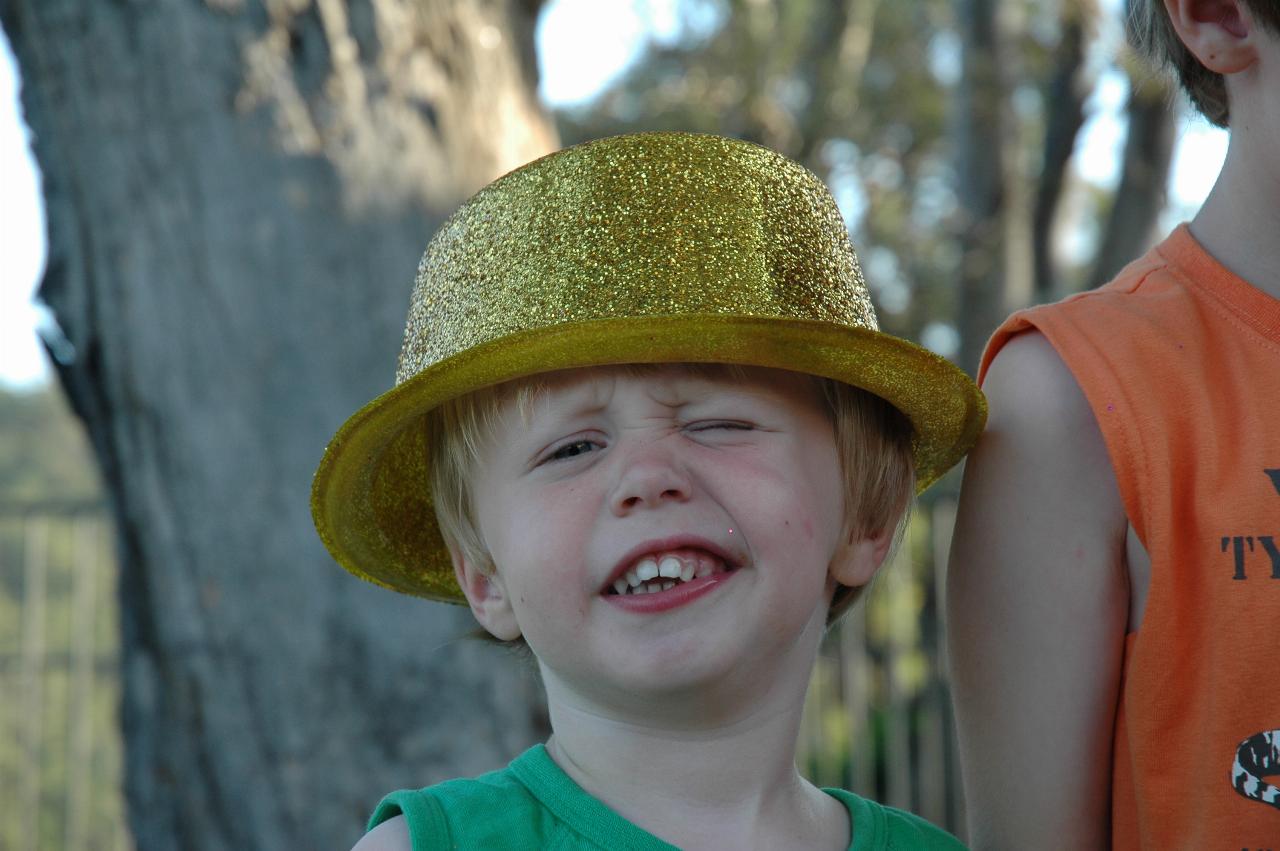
1152,34
873,440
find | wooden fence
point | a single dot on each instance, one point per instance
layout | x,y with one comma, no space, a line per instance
878,719
60,749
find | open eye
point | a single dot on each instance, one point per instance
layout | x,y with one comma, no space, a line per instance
572,449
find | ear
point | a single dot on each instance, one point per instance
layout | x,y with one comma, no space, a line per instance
858,559
487,596
1217,32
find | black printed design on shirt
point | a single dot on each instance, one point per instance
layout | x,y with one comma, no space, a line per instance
1252,554
1258,757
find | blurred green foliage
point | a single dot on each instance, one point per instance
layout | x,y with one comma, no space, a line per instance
43,451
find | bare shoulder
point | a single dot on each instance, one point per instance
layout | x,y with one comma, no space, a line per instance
1029,385
1042,450
391,835
1039,496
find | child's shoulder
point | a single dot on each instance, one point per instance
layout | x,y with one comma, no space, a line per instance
494,810
885,828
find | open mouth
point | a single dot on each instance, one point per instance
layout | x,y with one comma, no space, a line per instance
662,571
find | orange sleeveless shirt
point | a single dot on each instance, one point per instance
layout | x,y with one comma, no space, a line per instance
1180,361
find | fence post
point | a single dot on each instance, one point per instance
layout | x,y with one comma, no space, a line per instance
35,561
935,711
897,723
944,514
855,689
80,704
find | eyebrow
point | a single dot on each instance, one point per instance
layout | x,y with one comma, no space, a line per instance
581,402
681,392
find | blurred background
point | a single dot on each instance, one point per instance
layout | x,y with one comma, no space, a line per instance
210,213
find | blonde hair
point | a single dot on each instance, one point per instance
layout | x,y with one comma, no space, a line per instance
1152,34
873,440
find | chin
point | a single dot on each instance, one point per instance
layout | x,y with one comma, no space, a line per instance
700,678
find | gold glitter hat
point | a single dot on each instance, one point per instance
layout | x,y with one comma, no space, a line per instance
646,248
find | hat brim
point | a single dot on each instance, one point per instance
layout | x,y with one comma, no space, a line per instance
371,497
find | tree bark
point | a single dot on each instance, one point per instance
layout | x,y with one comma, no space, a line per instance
981,176
1144,176
237,194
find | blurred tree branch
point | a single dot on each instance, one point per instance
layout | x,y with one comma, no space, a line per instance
1065,94
1148,154
840,52
981,174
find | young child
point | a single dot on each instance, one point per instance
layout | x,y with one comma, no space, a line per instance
1116,581
643,393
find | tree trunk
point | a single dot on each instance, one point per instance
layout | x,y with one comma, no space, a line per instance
1148,154
980,167
238,192
1064,98
835,65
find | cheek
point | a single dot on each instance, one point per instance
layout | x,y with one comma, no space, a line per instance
540,543
805,490
802,527
826,486
784,512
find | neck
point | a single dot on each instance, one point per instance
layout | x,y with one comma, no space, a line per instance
1240,219
728,784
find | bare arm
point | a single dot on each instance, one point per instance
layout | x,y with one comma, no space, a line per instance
1037,609
391,835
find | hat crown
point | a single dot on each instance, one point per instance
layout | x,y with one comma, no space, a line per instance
650,224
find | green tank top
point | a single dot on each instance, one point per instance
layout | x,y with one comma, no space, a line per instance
533,804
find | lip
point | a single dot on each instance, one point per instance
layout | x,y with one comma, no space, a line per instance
661,601
675,542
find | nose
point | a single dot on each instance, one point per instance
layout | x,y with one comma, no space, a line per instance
649,478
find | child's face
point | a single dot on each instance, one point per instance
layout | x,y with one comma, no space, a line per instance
735,483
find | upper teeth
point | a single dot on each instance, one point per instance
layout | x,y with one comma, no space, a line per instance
640,578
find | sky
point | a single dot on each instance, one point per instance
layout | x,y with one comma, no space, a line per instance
583,45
